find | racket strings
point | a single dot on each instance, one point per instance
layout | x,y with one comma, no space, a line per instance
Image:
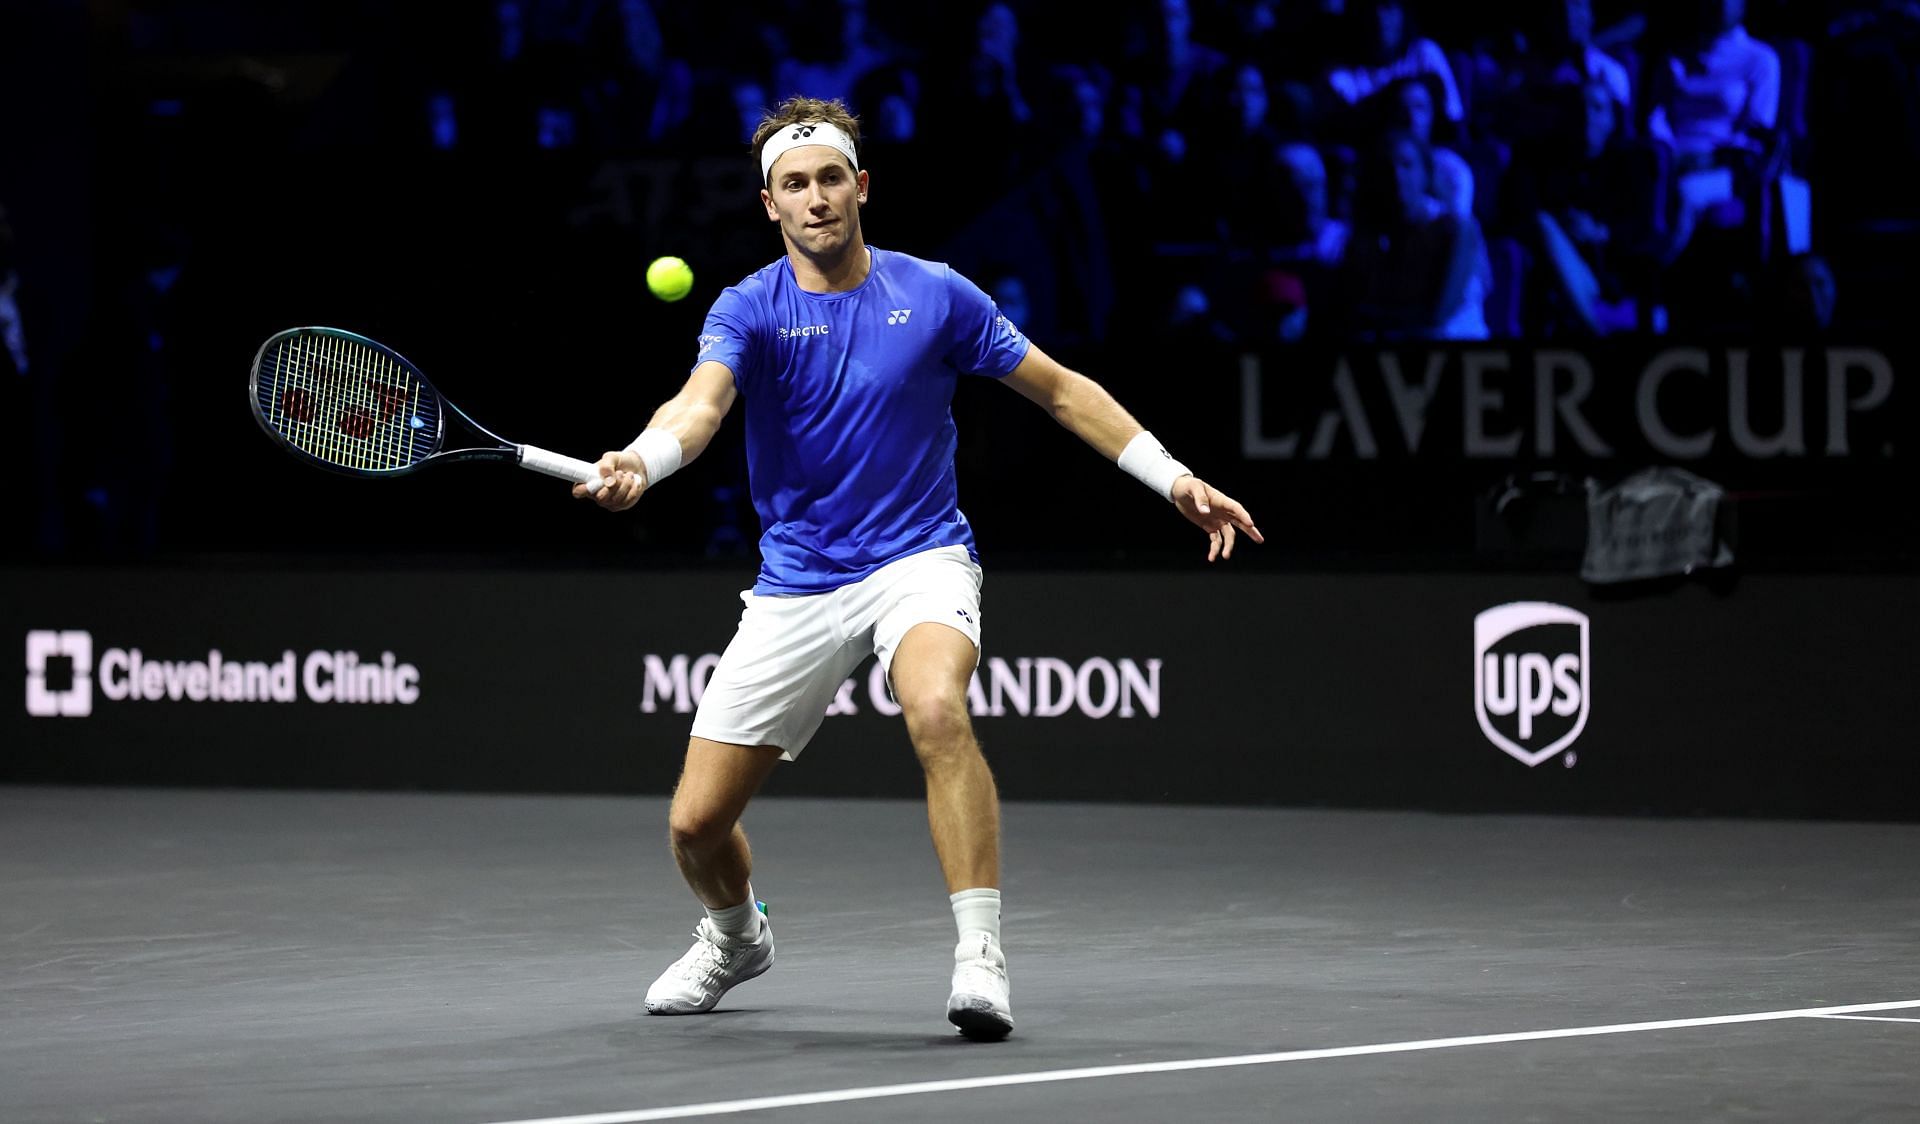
347,404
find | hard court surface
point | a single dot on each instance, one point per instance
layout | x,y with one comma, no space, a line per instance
269,956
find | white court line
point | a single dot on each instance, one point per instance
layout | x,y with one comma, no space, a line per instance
870,1092
1866,1018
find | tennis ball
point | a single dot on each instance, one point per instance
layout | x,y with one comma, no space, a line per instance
669,278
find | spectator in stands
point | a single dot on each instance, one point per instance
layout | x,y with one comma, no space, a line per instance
990,87
1236,147
1410,103
749,97
1171,78
1387,48
634,93
1310,232
590,73
1720,92
1593,201
825,56
1171,88
1568,57
1554,52
1412,269
1715,103
889,99
1081,116
1250,110
1306,247
1078,115
1267,33
994,69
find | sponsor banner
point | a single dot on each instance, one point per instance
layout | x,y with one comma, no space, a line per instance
1635,403
1777,695
1024,687
1530,662
321,677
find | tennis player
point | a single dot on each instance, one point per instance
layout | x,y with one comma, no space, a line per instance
846,358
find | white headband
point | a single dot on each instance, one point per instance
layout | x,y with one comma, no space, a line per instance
805,133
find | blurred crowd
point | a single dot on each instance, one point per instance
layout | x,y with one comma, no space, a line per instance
1280,169
1252,172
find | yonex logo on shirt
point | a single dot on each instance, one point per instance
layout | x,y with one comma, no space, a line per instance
898,315
707,342
808,330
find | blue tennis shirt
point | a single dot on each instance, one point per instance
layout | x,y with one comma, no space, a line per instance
850,436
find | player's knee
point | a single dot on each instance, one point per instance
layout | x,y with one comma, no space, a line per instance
939,726
692,828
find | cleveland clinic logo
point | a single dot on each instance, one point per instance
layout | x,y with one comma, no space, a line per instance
63,676
1531,677
46,653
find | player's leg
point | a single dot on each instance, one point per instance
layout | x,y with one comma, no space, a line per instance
764,702
708,842
733,943
930,671
928,637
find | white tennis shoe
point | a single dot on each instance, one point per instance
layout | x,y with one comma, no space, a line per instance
980,1005
716,963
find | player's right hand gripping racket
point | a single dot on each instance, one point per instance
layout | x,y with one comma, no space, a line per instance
344,402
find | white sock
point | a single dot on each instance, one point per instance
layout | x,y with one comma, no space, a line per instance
977,911
741,922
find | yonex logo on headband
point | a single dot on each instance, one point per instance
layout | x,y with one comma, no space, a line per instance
805,133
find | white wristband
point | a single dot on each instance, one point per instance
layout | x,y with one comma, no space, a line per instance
659,453
1147,461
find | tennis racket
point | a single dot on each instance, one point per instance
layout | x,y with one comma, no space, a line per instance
344,402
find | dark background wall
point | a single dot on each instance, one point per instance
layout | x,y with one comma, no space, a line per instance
480,185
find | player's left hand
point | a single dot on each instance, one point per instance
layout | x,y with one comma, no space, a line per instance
1216,513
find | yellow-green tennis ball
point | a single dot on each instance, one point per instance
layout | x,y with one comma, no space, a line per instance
669,278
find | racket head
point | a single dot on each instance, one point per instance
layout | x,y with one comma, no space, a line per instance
343,402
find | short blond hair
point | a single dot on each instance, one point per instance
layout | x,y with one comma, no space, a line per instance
798,110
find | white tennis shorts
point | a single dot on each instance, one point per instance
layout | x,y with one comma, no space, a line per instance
791,653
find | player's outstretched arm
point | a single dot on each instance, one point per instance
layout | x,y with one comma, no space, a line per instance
679,431
1084,407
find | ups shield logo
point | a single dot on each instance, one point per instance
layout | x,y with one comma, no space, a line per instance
1532,677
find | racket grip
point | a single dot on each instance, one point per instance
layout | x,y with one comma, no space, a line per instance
555,464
